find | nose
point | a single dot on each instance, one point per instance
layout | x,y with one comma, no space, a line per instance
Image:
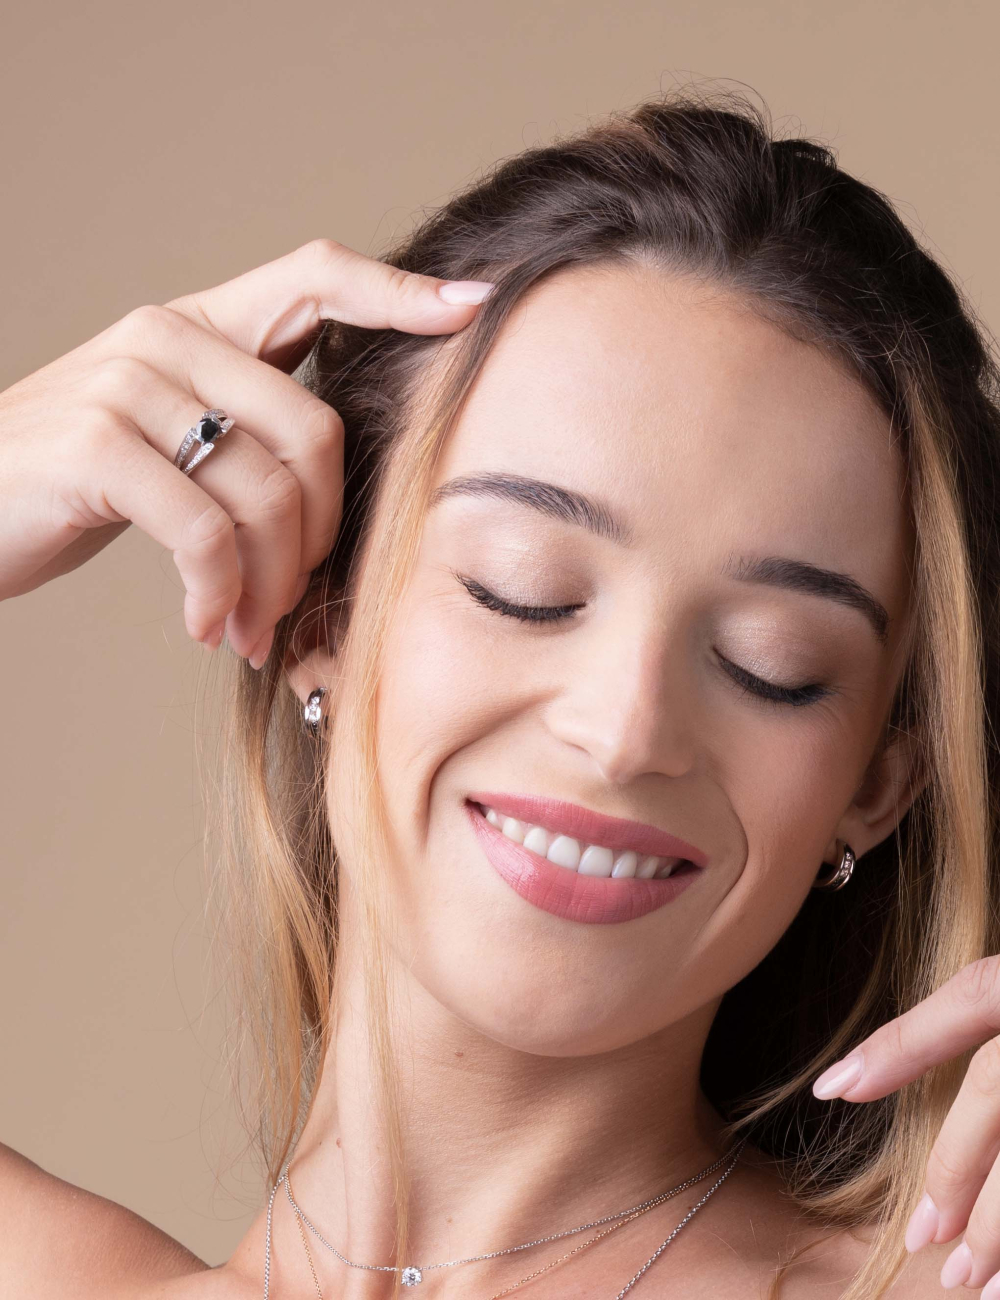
628,703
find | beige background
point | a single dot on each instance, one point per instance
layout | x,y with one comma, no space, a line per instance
154,149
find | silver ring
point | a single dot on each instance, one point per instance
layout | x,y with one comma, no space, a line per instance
212,426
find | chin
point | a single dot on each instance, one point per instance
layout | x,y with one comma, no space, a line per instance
535,1019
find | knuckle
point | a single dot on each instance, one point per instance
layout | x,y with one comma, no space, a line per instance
947,1177
151,318
322,426
120,376
279,492
407,286
984,1068
210,527
323,250
978,983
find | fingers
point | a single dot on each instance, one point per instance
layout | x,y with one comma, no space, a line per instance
963,1179
268,311
961,1014
262,498
285,441
119,476
962,1186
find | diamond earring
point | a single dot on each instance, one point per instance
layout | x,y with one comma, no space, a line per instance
313,711
841,873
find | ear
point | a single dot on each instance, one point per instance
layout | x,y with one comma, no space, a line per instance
891,783
307,671
310,655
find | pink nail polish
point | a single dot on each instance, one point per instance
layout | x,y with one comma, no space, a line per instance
464,291
957,1267
213,639
261,650
839,1077
923,1225
991,1291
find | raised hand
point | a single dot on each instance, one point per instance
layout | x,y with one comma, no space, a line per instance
962,1186
87,443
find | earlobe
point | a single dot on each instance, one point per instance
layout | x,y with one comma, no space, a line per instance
306,672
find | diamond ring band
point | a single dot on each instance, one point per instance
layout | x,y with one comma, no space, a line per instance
213,426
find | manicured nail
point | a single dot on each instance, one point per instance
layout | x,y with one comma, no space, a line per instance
991,1291
924,1223
464,291
260,651
214,638
957,1267
839,1077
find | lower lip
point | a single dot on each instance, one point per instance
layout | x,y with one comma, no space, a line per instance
594,900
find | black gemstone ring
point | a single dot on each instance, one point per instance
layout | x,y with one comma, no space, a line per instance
212,426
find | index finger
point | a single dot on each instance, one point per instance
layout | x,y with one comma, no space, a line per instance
963,1013
271,310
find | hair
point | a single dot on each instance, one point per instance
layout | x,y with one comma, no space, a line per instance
696,184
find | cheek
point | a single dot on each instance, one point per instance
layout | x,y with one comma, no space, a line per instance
787,786
429,694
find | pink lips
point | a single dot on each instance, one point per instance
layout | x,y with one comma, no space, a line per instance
565,893
587,826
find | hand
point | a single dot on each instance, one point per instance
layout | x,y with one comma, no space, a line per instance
963,1176
87,443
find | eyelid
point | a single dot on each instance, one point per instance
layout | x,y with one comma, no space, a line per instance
764,692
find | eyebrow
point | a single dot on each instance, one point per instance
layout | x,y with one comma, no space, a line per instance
573,507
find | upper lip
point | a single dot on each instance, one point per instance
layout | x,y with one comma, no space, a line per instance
589,827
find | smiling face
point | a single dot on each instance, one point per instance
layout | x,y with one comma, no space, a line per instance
705,439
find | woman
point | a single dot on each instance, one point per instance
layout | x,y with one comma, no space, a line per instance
632,535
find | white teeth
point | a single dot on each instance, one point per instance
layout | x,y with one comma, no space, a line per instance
564,852
513,829
595,861
646,869
538,840
587,859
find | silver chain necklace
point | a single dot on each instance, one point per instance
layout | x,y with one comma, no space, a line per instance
413,1274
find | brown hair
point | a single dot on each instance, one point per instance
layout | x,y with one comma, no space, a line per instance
697,184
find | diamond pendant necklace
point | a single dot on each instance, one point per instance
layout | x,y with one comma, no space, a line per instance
412,1275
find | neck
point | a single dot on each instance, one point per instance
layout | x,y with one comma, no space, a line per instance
503,1147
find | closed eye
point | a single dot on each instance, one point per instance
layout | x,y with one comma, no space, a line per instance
764,691
526,613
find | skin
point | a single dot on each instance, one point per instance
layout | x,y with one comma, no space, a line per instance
707,431
683,413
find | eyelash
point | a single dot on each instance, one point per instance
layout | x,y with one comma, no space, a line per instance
764,692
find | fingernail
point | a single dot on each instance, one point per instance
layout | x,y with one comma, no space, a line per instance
214,638
957,1267
924,1223
464,291
260,651
839,1077
991,1291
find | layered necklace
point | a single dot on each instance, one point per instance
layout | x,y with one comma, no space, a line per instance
413,1275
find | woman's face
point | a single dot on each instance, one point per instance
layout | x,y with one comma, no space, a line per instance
713,441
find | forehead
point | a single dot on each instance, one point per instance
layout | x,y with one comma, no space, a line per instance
704,425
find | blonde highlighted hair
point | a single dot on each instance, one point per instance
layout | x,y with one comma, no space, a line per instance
695,184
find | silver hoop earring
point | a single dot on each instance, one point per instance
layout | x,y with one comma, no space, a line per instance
313,711
841,873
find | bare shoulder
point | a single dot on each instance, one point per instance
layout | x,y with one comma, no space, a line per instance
919,1277
59,1239
824,1258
